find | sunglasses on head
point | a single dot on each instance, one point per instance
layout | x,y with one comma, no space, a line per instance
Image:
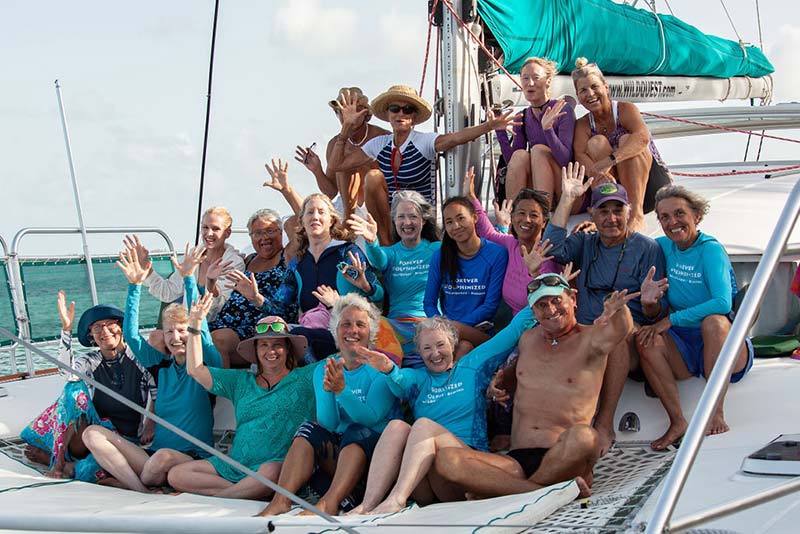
550,281
277,327
408,109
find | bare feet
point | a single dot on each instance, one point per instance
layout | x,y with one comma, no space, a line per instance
675,431
584,488
717,425
358,510
607,437
278,505
111,482
37,455
325,506
389,506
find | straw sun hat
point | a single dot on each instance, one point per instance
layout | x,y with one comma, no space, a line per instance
401,93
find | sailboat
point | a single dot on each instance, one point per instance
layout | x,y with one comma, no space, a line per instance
755,205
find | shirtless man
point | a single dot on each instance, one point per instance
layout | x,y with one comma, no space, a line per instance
347,182
559,374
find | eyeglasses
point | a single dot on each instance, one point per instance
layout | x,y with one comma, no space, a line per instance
550,281
408,109
611,287
96,328
270,232
277,327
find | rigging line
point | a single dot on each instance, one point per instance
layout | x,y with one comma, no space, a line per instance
734,173
428,47
475,38
725,8
714,126
760,144
760,35
669,7
180,432
208,118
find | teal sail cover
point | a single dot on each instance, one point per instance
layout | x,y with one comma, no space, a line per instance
621,39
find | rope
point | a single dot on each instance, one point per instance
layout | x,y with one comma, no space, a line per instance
478,41
734,173
731,21
428,47
724,128
180,432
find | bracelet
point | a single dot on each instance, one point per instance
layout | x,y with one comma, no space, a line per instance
193,330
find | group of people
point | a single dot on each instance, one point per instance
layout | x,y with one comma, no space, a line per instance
369,356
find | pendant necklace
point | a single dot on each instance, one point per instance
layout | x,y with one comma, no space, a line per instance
554,340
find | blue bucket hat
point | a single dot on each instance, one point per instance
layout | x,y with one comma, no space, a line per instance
91,316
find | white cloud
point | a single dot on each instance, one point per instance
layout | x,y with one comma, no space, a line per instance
403,34
316,29
783,54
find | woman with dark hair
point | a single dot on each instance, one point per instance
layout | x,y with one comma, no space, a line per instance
269,406
530,212
465,279
404,264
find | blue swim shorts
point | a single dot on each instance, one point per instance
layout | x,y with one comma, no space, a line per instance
689,341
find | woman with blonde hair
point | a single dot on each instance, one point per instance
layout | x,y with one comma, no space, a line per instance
542,143
326,262
613,143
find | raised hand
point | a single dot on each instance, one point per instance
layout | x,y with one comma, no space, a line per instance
366,228
568,274
502,214
572,184
585,227
66,313
333,380
613,303
375,359
501,121
132,241
131,267
218,269
308,158
652,291
352,117
469,183
278,173
537,256
360,281
551,115
199,310
326,295
192,257
246,285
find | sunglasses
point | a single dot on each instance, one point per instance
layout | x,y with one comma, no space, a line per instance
408,109
277,327
550,281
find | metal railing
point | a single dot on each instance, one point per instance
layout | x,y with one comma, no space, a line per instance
676,478
17,289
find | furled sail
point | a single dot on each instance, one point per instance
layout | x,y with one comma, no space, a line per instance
621,39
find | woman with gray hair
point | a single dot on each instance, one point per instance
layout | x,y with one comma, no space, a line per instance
404,264
354,405
264,270
702,286
449,406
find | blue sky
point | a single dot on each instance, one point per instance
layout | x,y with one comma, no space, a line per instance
133,77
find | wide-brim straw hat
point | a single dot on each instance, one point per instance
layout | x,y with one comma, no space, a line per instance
362,99
247,348
91,316
401,93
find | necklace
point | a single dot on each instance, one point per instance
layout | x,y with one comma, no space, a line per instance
366,133
554,340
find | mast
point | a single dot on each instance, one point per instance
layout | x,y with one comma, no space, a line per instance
460,91
77,195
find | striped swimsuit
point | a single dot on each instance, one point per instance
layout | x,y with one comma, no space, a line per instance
417,165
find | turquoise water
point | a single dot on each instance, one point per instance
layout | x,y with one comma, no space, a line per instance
42,279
